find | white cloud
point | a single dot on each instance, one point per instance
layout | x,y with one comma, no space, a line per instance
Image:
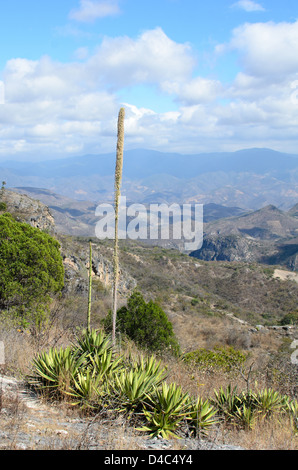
267,48
248,5
53,108
151,58
194,91
91,10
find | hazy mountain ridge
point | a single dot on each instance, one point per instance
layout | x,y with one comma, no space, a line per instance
249,196
249,179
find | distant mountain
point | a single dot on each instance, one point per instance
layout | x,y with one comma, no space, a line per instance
268,236
78,217
294,211
216,211
268,223
248,179
141,163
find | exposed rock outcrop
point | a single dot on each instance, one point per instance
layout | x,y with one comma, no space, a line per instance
31,211
77,268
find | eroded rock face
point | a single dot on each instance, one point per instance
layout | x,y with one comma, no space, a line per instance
77,272
228,248
31,211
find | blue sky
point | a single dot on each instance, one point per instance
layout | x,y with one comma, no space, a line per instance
193,76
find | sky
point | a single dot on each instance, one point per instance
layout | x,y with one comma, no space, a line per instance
193,76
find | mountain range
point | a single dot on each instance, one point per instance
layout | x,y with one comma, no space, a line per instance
248,179
268,235
249,196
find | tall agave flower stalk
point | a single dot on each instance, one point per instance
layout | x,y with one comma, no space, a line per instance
90,288
118,179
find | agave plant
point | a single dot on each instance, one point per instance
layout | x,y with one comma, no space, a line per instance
268,401
105,365
92,343
165,410
54,371
152,368
132,388
227,401
291,407
245,416
88,390
201,416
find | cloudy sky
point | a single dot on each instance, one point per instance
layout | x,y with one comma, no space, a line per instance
193,76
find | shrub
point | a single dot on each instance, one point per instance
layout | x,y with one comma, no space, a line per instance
31,268
146,324
290,318
224,358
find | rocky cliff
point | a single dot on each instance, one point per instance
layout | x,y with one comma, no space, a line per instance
31,211
76,264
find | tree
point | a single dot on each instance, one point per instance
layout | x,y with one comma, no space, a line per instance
31,268
146,324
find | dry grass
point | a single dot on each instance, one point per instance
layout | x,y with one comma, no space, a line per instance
275,434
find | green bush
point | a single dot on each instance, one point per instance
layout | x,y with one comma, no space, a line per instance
31,268
290,318
225,358
146,324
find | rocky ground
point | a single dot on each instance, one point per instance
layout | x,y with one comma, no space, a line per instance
26,423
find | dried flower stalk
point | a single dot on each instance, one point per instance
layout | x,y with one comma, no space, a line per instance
118,179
